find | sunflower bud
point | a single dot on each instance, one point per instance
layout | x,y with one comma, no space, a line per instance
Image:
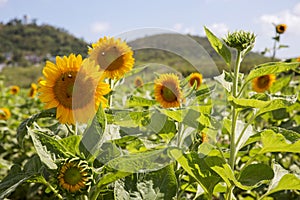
240,40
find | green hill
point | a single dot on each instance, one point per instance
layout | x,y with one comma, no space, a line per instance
187,54
24,44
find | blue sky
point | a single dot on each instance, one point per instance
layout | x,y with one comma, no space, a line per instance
92,19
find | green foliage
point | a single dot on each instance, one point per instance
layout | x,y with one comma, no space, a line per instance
224,141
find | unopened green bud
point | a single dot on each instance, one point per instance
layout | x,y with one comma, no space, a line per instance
240,40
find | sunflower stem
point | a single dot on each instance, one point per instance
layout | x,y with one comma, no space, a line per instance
43,180
110,98
275,46
234,117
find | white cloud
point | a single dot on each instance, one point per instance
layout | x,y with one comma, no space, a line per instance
3,2
219,29
179,27
99,27
289,17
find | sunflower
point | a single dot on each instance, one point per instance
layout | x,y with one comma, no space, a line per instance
113,56
4,114
195,78
167,91
74,87
74,175
33,90
138,82
281,28
263,83
14,89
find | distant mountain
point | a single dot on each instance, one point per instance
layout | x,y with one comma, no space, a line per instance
187,54
24,44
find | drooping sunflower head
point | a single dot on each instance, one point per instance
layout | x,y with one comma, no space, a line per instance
75,175
14,89
4,114
113,56
33,90
281,28
263,83
195,78
138,82
74,87
167,91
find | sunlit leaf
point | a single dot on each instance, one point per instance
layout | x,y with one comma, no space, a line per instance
22,129
71,143
140,162
287,182
223,81
270,68
134,101
47,148
218,46
197,168
275,142
93,136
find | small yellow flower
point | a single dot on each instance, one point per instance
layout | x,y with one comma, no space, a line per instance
4,114
138,82
74,175
74,87
195,78
263,83
281,28
167,91
298,59
14,89
33,90
204,137
113,56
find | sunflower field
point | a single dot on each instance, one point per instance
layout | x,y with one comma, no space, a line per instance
102,127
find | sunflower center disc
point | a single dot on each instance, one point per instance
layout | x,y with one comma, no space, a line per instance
110,59
263,81
168,94
72,176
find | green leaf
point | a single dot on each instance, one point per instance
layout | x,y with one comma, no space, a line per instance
280,83
143,161
290,135
270,68
248,103
111,177
197,168
218,46
22,129
275,142
33,165
287,182
134,101
222,79
164,181
71,144
273,105
218,165
93,136
14,178
47,147
255,174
